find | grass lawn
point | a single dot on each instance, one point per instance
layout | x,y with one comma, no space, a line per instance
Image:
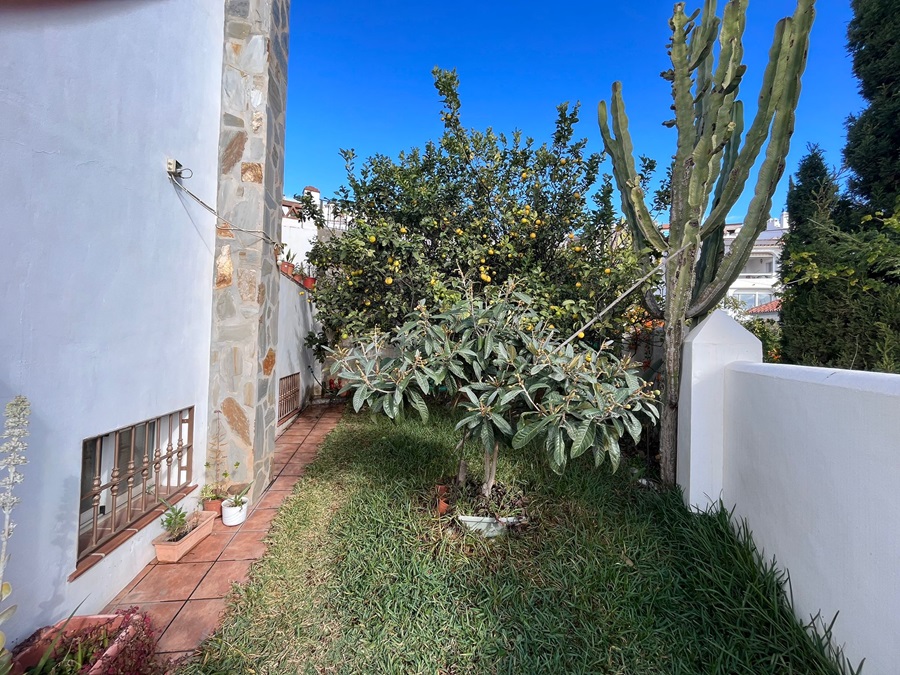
362,577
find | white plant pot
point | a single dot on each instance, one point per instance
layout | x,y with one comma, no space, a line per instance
234,515
488,526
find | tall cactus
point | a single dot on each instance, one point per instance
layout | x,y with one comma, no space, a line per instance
712,163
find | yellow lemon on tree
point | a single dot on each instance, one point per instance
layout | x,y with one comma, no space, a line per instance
550,326
371,238
581,335
367,303
403,230
485,278
344,336
532,235
577,195
577,249
458,231
388,280
524,175
588,358
577,284
490,251
563,161
571,236
607,271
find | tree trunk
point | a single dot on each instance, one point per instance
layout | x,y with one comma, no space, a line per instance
668,436
679,288
490,470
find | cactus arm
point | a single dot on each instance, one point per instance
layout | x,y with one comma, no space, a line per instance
703,38
714,123
772,168
621,150
729,156
773,85
684,122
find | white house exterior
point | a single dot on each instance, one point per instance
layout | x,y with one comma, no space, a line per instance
129,312
300,234
757,283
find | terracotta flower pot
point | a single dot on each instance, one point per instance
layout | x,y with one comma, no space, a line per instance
287,268
173,551
443,506
40,643
309,283
214,505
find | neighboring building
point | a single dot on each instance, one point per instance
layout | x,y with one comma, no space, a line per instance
299,234
769,311
130,314
757,283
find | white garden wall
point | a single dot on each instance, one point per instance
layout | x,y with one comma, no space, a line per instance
296,318
105,269
811,458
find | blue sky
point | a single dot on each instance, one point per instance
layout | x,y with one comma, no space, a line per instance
360,75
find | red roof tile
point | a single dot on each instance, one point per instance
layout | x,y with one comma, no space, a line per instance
773,306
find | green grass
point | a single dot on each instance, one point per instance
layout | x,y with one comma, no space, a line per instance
362,577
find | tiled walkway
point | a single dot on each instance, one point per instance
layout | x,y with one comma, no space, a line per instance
185,599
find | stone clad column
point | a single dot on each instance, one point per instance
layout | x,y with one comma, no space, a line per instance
245,293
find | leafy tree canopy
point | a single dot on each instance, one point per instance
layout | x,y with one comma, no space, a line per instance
479,206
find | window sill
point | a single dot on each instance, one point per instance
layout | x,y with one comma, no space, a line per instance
90,560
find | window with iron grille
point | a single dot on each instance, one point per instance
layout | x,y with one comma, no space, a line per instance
288,396
125,473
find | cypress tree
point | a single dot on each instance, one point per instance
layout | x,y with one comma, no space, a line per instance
873,137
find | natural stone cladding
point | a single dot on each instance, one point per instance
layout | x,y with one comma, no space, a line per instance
251,176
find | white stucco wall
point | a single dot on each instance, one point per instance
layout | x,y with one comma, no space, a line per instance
811,458
105,269
296,318
299,236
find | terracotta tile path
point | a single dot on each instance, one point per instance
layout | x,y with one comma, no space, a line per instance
185,600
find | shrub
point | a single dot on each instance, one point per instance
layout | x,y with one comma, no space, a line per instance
511,374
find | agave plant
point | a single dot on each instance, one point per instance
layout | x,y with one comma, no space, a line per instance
513,378
12,456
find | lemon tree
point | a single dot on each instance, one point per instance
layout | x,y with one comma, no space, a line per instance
482,207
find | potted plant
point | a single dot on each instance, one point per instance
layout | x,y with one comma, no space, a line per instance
298,274
287,262
309,283
123,642
234,508
182,532
215,491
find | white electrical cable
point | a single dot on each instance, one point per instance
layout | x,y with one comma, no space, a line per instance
259,233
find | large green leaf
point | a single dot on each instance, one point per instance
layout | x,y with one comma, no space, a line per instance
528,432
359,398
633,426
419,404
501,424
584,438
487,436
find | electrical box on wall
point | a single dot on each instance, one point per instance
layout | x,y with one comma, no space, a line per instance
174,168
